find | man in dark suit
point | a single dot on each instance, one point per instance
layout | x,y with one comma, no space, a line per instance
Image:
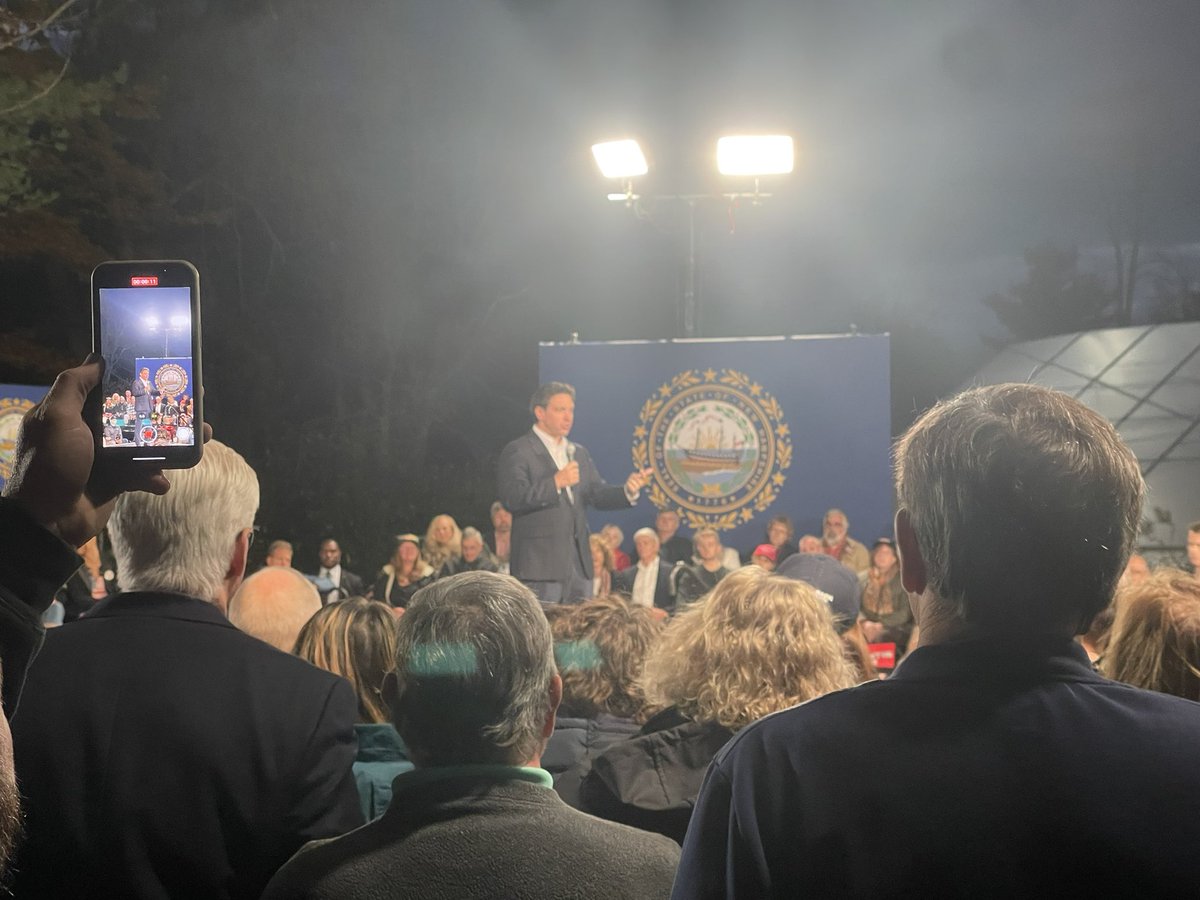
143,402
345,583
994,762
547,483
648,583
162,752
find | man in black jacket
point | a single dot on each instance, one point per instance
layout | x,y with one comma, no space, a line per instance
474,696
162,752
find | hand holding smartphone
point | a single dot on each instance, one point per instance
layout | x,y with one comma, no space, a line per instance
146,325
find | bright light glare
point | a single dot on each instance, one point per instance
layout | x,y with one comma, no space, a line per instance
151,321
179,321
620,159
760,154
624,198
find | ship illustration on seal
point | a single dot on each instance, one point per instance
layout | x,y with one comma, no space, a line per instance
711,454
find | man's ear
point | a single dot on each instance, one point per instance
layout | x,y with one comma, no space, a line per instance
556,691
237,562
912,563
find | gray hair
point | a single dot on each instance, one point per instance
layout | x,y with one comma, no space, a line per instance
545,391
183,540
273,604
474,662
646,533
471,532
1025,505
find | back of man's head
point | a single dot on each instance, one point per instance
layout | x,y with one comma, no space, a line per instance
273,604
474,666
1024,503
184,540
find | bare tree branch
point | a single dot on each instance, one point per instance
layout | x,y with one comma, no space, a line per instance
40,94
39,27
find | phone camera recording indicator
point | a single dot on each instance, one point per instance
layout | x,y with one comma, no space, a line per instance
143,281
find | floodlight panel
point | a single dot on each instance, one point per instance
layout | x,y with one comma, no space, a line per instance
755,154
620,159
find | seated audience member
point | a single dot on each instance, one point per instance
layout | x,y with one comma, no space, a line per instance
615,537
756,644
1136,571
674,547
475,556
602,565
763,556
781,534
994,761
279,553
649,582
884,615
443,542
273,604
837,543
164,753
474,695
405,574
501,535
810,543
600,646
357,640
1155,638
345,583
694,581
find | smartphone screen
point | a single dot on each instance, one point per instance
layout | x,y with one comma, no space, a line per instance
146,326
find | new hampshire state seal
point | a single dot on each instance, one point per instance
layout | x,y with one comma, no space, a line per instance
718,447
12,411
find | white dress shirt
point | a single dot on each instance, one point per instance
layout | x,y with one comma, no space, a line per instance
644,583
334,575
558,452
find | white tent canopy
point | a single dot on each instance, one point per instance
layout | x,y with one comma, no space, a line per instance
1146,381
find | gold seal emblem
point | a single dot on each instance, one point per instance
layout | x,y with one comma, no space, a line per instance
12,411
718,447
171,378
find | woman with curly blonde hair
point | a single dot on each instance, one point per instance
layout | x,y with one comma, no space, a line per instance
756,644
443,541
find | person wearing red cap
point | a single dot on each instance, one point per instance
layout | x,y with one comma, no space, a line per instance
764,556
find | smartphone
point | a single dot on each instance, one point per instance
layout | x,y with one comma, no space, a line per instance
146,325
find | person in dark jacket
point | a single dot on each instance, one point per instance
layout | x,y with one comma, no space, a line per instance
475,556
601,647
474,694
756,644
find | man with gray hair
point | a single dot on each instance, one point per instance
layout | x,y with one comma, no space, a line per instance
993,761
474,696
273,604
648,582
475,556
164,753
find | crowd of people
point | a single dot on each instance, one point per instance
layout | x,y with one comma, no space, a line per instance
701,724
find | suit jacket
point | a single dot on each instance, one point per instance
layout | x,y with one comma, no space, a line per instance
663,598
164,753
547,527
351,585
994,768
142,397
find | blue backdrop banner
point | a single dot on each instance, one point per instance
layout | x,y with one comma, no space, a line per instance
15,401
738,431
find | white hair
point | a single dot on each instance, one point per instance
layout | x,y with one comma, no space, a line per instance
646,533
273,604
183,541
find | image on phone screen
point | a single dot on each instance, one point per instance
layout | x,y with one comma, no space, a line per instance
148,387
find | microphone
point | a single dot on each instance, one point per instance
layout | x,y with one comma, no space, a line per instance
570,452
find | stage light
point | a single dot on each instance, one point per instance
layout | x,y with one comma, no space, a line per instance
179,321
151,321
758,154
620,159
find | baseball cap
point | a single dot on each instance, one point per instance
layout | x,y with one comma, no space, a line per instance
831,578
